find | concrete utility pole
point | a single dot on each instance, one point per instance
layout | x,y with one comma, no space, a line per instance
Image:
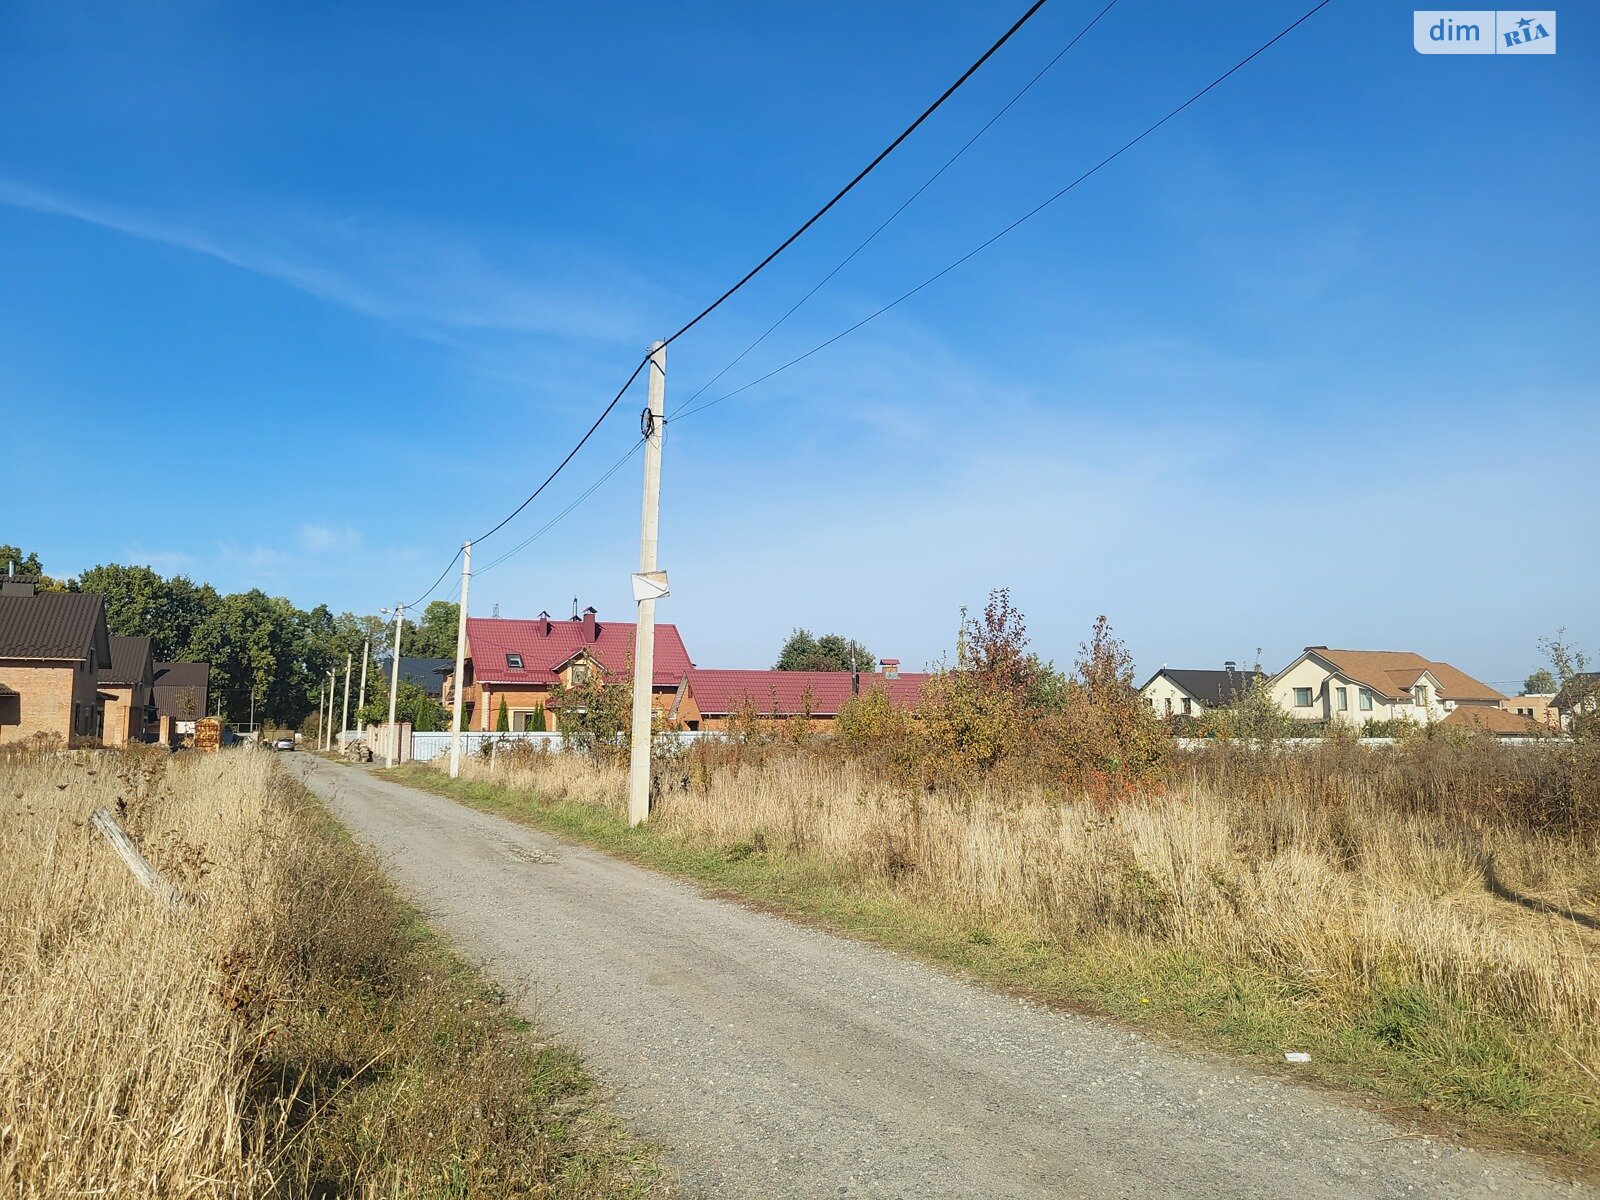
461,662
644,646
344,721
366,654
394,684
333,694
322,703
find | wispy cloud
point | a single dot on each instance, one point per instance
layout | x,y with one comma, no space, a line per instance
324,539
434,281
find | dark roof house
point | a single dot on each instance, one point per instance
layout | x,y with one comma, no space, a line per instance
52,625
1217,689
427,673
53,646
131,664
180,689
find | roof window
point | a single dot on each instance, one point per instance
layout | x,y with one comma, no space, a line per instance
514,662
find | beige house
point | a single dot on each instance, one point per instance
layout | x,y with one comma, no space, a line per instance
1358,686
1173,692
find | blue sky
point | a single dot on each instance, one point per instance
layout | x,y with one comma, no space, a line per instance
311,293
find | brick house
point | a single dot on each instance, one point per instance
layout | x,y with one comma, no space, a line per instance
126,688
714,697
525,663
52,647
179,694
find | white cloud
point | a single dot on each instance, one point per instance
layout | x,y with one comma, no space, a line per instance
324,539
432,281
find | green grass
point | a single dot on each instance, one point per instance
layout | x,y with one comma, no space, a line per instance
412,1073
1432,1063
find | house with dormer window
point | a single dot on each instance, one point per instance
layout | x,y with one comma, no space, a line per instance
1357,686
526,664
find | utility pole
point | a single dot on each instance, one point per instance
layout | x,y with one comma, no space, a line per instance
344,721
333,692
461,662
394,685
322,703
366,653
644,647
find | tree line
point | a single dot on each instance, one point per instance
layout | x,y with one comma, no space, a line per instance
267,654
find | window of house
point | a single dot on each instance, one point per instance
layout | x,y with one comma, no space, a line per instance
1188,707
580,674
1342,695
1364,700
1422,695
514,661
1302,697
1169,706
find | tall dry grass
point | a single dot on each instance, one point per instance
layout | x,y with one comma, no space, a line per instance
289,1031
1343,883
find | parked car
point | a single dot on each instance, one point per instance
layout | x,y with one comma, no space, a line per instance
283,743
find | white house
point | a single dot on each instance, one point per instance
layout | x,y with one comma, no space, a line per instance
1182,693
1357,686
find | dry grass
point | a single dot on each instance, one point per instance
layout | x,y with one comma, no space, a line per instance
1444,952
291,1031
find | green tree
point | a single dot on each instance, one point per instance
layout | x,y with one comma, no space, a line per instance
140,602
1578,687
14,560
1539,683
435,636
24,564
830,652
595,712
502,719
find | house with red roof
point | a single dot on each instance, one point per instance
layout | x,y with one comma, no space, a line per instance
716,696
526,663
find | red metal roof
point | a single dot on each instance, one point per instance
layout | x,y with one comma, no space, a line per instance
784,693
490,639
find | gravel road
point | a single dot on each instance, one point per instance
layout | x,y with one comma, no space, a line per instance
779,1061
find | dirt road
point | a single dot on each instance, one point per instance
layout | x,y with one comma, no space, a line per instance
779,1061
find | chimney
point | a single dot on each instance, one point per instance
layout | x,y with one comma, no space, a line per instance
591,629
891,668
17,585
1230,666
544,624
574,608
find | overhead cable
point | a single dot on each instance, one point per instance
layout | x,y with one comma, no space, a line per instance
1025,217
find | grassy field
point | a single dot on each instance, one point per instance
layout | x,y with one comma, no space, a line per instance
291,1030
1356,926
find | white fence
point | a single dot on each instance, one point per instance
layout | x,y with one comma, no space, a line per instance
428,746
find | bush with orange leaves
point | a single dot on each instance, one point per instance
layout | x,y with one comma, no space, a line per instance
1002,713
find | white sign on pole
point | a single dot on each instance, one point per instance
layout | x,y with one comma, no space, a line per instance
650,585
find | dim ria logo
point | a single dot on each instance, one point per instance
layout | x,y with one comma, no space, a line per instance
1485,31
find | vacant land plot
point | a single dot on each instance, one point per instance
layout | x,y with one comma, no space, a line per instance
289,1030
1441,954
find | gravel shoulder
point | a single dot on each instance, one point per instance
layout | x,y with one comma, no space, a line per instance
776,1060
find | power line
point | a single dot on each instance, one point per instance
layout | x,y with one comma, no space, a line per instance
564,513
604,413
860,175
911,199
453,560
1027,216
